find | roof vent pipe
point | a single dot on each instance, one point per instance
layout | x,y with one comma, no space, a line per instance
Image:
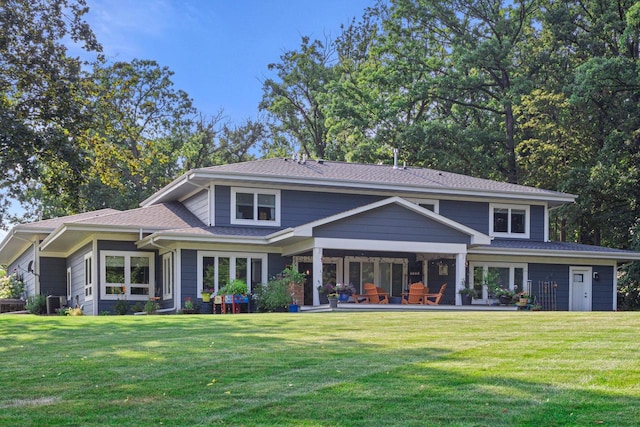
395,158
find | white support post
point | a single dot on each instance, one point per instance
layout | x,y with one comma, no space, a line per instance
461,261
317,274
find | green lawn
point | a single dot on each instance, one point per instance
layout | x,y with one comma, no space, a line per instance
427,368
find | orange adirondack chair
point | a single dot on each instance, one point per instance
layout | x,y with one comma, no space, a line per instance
375,294
436,297
416,294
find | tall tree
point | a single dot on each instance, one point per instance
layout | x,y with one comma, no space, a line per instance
40,106
294,99
213,142
139,123
601,39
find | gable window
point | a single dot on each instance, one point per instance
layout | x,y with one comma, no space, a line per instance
430,204
509,221
127,273
88,278
255,206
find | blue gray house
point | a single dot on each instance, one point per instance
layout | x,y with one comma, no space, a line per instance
344,222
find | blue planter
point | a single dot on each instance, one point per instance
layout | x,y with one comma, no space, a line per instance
294,308
343,297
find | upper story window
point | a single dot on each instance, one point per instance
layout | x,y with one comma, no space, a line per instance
509,221
251,206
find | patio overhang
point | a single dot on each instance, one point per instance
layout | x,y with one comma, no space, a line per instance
308,245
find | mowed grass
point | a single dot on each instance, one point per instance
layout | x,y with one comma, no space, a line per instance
427,368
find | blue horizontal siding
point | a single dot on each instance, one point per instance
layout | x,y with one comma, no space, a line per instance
602,289
301,207
391,222
472,214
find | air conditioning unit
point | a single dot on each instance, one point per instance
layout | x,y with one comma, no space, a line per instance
55,302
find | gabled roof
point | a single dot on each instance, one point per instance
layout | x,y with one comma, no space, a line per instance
306,230
354,176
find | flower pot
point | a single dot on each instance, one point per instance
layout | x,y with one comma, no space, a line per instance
343,298
333,302
505,299
466,299
206,297
294,308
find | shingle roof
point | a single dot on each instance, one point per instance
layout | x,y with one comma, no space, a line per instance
371,174
162,216
53,223
223,231
554,246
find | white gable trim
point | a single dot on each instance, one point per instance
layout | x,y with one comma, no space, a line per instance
306,230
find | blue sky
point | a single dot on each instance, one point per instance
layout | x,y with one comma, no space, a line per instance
218,49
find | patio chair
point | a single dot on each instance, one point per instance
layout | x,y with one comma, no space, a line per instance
375,294
436,297
416,294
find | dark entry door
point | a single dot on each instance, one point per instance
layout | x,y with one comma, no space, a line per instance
307,268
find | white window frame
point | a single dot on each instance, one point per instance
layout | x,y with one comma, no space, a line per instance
127,275
509,234
232,265
167,275
255,221
484,298
434,202
68,283
88,276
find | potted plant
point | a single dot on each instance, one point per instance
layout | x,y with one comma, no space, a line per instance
468,293
344,291
326,290
295,281
235,292
188,308
206,294
505,296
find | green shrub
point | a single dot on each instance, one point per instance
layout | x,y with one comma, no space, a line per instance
151,306
12,286
121,307
236,287
36,304
273,296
